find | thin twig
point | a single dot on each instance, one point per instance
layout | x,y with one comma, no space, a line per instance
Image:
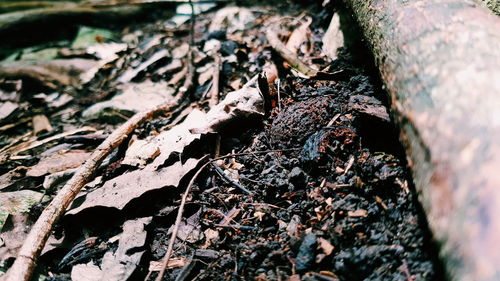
288,55
178,220
226,178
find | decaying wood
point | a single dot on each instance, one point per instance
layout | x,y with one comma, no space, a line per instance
26,260
440,62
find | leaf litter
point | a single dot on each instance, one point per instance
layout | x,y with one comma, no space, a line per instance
314,185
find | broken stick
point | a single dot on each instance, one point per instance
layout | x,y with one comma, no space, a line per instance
289,55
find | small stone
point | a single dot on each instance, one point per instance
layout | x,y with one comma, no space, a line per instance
297,177
228,48
306,255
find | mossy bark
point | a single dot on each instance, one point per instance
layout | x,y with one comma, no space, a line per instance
440,62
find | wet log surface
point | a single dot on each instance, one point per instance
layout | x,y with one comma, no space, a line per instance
440,63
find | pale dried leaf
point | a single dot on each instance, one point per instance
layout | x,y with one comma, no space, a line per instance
86,272
59,162
133,99
172,263
357,213
173,140
243,103
333,38
119,191
17,202
121,264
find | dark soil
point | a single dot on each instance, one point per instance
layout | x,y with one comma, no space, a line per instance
333,187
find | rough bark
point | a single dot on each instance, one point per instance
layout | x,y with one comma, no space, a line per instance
440,62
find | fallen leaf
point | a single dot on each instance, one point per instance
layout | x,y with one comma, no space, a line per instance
59,162
86,272
13,237
7,108
119,191
122,263
135,97
370,106
132,73
189,230
173,140
243,103
333,38
7,179
232,19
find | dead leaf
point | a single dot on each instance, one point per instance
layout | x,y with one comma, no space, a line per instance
122,263
134,98
232,19
246,102
132,73
119,191
333,38
17,202
86,272
293,225
369,105
298,36
59,162
7,179
13,237
173,140
210,236
7,108
190,230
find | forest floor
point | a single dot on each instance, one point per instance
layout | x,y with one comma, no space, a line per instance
312,183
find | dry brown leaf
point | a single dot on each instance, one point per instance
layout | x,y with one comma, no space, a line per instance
59,162
119,191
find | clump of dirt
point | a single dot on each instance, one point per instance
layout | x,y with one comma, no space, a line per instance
301,119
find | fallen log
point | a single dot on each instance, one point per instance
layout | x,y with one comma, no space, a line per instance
440,62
